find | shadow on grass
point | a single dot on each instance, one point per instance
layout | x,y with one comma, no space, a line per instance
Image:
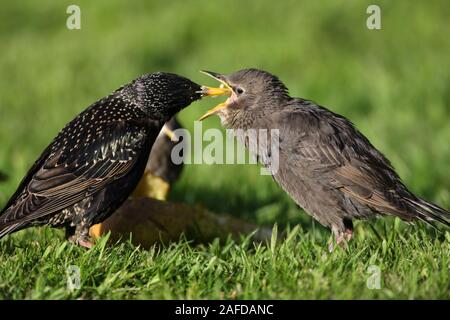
274,209
286,213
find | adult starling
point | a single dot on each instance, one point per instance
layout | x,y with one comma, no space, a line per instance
160,172
326,165
96,160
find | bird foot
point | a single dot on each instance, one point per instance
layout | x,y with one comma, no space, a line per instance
342,239
84,242
348,234
340,242
330,246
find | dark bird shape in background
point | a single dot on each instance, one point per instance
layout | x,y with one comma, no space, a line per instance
96,160
326,165
161,172
159,176
3,176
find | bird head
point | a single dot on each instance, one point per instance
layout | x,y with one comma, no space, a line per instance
163,94
248,89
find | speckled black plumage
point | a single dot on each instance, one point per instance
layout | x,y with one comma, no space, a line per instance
97,159
326,165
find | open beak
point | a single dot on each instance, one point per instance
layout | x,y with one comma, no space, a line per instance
213,92
213,111
224,89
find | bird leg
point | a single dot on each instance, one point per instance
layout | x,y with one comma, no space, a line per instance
79,236
348,234
342,237
339,238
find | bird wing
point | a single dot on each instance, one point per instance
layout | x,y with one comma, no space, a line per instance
328,149
58,179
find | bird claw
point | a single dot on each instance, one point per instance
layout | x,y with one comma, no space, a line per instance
85,243
340,242
330,246
348,234
81,242
341,237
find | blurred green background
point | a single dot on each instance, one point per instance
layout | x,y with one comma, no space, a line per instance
394,83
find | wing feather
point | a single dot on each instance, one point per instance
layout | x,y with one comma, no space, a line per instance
59,180
331,151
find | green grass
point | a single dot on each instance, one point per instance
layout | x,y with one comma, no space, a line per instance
412,265
394,84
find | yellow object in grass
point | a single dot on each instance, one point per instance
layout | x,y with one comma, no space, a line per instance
149,186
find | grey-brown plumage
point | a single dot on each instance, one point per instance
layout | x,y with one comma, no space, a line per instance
326,165
96,161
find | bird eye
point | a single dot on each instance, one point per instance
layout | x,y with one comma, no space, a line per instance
239,90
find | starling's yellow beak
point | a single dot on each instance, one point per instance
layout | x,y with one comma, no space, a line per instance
224,89
214,92
213,111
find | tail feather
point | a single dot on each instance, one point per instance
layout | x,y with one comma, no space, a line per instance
9,228
428,212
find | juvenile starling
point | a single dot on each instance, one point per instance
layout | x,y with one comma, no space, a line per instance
96,160
160,172
326,165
